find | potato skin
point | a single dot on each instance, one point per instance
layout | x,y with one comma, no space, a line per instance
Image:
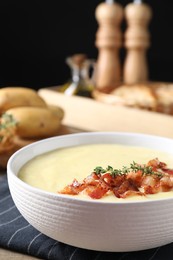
19,96
35,122
58,111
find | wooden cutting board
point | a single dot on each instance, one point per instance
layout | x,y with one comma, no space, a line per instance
6,153
92,115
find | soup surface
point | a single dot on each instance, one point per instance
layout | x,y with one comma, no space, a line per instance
54,170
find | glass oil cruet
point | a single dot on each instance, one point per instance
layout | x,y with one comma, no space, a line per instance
80,83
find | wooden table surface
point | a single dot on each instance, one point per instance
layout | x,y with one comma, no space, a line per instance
83,114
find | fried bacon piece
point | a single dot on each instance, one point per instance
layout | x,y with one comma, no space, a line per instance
96,192
139,180
135,177
127,188
74,188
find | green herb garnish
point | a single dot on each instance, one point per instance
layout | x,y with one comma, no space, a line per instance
7,123
134,167
99,170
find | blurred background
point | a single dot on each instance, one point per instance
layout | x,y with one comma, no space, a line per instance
37,36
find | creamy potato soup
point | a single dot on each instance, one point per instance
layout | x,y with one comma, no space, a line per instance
54,170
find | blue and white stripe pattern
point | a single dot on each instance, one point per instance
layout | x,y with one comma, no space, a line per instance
18,235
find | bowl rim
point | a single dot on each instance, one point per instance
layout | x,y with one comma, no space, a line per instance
76,200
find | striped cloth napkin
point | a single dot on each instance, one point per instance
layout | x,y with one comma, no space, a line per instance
18,235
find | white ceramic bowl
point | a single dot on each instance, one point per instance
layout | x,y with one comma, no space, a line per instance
96,225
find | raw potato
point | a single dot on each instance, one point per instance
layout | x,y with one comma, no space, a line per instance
35,122
58,111
19,96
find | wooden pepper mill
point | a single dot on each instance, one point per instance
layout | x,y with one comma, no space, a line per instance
137,41
108,40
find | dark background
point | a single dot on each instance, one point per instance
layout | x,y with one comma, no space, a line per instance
37,35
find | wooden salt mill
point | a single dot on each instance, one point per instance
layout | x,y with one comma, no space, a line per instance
108,40
137,41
